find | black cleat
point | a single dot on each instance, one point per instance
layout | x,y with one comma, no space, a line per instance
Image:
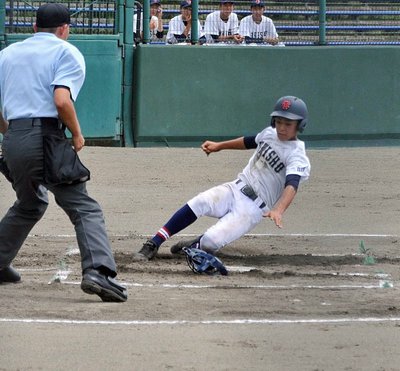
9,275
107,288
147,252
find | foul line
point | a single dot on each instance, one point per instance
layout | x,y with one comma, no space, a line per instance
208,322
249,235
382,284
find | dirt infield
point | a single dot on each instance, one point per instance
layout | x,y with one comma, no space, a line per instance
302,298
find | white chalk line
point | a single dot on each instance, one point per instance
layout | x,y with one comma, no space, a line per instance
242,269
260,287
385,281
75,251
44,235
324,235
235,322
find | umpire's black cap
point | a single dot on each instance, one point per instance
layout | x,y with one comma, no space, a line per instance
52,15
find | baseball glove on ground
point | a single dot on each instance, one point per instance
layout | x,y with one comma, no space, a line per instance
201,262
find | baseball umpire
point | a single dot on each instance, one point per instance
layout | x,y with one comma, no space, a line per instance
40,79
265,188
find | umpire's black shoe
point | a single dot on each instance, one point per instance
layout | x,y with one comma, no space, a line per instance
95,282
147,252
9,275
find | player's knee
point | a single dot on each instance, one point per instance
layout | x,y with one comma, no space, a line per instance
210,244
199,206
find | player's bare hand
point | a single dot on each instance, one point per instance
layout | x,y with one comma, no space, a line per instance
209,146
153,25
275,217
78,141
272,41
237,38
159,13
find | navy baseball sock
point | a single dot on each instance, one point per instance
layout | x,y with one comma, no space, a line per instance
180,220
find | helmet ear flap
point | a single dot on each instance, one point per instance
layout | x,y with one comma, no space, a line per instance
302,125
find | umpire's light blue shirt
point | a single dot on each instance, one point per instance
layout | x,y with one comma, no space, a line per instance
30,69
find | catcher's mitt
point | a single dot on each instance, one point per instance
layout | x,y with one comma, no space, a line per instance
201,262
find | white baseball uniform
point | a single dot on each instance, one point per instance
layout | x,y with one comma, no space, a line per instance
265,173
214,25
176,27
249,28
154,19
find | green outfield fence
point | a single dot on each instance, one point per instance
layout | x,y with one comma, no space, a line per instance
340,56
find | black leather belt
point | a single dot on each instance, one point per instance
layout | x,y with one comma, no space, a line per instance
37,121
249,192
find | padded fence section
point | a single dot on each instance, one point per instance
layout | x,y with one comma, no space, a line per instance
186,95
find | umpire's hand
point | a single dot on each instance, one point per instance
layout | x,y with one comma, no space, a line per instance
78,141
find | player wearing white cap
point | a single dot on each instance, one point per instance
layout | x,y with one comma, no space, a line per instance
265,188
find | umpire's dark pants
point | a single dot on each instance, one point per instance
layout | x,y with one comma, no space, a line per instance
23,152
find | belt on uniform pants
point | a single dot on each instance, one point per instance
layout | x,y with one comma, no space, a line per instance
249,192
48,122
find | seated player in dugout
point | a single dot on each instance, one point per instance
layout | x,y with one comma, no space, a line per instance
222,26
257,28
264,189
179,27
155,24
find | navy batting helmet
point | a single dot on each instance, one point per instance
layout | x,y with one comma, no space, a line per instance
292,108
200,261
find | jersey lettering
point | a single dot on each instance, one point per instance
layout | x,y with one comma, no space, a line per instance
258,34
268,155
279,167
